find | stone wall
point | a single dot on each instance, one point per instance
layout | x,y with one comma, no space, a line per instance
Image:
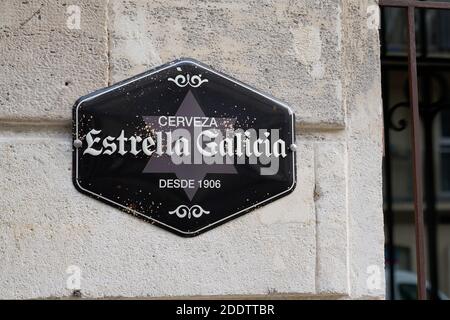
324,240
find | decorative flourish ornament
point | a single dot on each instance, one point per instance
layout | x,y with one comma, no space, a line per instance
195,211
182,81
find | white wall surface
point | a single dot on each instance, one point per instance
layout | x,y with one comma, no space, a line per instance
324,240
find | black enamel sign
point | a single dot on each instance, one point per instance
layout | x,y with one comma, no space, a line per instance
183,146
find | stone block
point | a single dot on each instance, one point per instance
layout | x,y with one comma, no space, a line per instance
47,226
46,62
288,49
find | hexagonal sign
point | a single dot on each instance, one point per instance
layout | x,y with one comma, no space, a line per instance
183,146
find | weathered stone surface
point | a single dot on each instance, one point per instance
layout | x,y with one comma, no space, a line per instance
46,226
323,240
45,66
362,89
331,215
290,49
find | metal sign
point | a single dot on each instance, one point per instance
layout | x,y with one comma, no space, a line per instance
183,146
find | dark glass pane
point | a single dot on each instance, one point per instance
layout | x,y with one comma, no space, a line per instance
445,169
396,31
407,291
438,33
398,117
445,124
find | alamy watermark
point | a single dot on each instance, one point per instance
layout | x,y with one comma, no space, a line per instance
73,281
374,278
373,17
73,21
